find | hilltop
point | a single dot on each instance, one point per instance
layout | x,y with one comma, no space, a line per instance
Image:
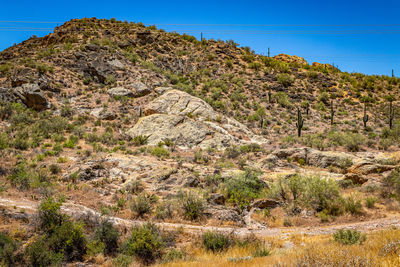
115,124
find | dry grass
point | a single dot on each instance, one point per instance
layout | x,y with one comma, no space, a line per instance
382,248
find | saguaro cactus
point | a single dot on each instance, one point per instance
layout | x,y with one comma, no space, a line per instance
299,123
391,114
332,112
307,108
269,96
365,117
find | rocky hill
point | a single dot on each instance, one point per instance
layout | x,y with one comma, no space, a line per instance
127,124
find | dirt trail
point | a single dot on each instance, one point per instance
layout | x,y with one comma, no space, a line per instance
78,211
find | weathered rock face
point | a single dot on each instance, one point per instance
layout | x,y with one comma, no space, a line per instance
120,91
186,120
180,103
137,89
29,94
181,130
321,159
140,89
368,167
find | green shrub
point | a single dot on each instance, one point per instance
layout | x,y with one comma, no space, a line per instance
72,141
391,185
285,79
308,191
142,205
4,142
20,177
68,239
192,205
353,141
349,237
172,255
370,202
8,250
242,188
262,251
353,205
215,241
160,152
50,215
109,235
145,243
122,261
282,99
55,169
39,254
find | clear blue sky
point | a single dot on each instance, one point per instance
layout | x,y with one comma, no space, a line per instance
367,53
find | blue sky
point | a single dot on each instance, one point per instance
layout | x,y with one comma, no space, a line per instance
366,52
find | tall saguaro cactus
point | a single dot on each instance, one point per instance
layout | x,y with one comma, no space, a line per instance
269,96
365,117
332,112
391,114
299,123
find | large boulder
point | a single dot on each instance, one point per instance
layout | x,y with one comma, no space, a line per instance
183,131
31,95
180,103
120,92
139,89
136,89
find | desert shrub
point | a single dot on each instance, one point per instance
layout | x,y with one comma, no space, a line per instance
315,141
55,169
353,205
232,152
50,215
215,241
38,253
308,191
145,243
61,236
321,193
109,235
349,237
142,204
285,79
353,141
262,251
172,255
255,65
192,205
160,152
134,186
391,184
4,142
71,142
68,239
164,210
20,176
324,98
8,250
242,188
370,202
282,99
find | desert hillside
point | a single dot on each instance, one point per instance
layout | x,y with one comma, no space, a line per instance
126,145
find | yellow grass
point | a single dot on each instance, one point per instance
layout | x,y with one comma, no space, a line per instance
380,249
